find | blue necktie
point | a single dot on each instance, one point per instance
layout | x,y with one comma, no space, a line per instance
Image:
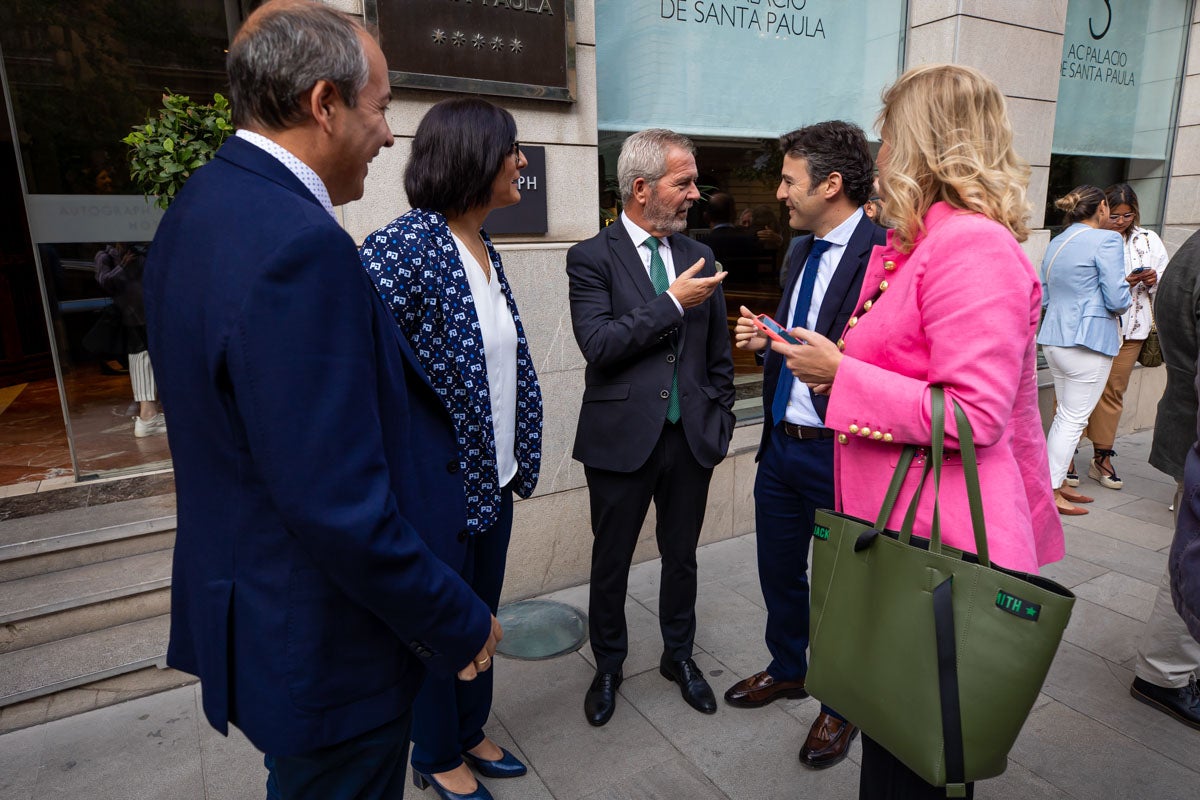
783,390
658,277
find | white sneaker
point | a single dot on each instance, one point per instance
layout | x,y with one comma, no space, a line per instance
149,427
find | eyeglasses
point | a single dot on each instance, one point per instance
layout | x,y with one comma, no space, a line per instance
515,151
1119,217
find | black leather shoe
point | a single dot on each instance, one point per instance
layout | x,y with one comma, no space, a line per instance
601,698
1183,704
693,687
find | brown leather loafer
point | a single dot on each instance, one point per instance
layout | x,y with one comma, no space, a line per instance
760,689
828,742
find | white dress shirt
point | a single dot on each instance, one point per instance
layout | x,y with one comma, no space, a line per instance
639,238
800,409
311,180
499,334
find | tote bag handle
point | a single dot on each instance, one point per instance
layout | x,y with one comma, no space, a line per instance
966,440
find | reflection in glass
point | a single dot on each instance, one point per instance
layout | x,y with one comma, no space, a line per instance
81,74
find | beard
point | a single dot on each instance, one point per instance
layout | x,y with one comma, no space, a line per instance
662,217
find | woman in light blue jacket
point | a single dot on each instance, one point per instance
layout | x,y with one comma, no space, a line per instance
1083,292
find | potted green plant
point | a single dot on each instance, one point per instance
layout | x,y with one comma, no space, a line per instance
174,143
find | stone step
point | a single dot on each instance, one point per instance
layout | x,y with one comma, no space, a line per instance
56,605
76,537
66,663
90,696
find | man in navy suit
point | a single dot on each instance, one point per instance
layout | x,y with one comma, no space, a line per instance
316,471
649,316
827,175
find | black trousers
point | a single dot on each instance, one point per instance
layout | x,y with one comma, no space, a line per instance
884,777
678,485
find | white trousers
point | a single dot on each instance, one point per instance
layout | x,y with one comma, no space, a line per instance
141,375
1079,378
1168,655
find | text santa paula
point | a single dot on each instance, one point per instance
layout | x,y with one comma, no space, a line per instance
777,16
1086,63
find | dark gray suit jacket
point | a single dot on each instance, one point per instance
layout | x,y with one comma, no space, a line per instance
630,337
1176,312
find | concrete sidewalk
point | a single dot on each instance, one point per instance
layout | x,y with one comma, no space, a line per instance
1086,738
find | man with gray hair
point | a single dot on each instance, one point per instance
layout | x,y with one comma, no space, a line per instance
649,315
319,495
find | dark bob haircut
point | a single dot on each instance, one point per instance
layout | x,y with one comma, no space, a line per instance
457,152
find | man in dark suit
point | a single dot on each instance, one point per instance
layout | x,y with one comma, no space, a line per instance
316,470
1168,657
649,316
736,249
826,177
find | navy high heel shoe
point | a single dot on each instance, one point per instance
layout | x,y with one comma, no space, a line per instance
507,766
423,781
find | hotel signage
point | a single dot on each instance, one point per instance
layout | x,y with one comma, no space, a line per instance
529,215
516,48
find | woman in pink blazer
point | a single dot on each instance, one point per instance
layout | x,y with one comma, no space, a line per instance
951,300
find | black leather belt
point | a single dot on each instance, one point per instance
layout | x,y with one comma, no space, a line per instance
806,431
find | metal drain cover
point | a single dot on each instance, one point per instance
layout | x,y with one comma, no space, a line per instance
539,629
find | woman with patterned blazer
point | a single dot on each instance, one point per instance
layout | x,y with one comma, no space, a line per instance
442,278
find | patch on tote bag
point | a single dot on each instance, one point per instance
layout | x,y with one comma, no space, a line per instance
1017,607
821,532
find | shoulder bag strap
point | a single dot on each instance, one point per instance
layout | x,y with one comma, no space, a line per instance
1046,277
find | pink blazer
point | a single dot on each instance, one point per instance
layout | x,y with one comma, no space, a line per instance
961,311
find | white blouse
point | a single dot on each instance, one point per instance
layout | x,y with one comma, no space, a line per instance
1143,248
499,334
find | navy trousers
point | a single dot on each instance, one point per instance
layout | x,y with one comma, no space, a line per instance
795,478
449,714
368,767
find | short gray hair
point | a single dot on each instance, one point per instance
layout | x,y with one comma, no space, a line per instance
644,155
282,50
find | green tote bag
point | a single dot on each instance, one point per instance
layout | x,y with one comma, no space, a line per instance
936,654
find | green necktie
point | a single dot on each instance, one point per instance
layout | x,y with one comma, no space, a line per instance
658,277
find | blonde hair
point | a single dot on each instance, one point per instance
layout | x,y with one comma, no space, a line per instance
950,139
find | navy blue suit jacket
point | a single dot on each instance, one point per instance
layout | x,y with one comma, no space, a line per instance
631,337
841,298
317,476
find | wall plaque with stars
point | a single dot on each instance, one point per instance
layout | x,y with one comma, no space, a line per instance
515,48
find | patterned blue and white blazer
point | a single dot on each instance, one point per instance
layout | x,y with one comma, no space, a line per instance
416,268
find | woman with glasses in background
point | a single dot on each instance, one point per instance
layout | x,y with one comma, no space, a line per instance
438,272
1145,259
